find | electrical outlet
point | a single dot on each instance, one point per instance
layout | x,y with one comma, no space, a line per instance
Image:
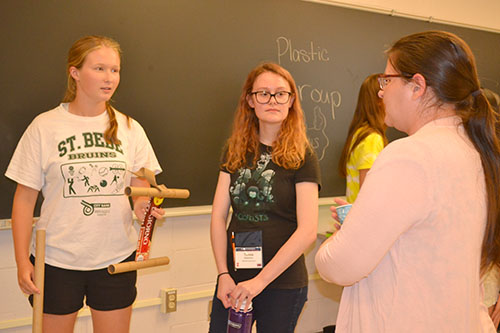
168,300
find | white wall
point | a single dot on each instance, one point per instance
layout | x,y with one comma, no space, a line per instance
186,241
478,14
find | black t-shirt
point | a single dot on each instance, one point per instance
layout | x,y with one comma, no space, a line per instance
264,199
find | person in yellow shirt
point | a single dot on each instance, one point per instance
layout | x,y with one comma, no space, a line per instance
365,139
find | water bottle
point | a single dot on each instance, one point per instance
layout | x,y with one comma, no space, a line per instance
239,321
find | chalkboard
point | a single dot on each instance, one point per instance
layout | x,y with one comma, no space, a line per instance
184,63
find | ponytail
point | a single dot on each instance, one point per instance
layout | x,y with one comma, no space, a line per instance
449,68
110,135
481,123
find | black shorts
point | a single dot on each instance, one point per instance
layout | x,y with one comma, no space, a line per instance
65,289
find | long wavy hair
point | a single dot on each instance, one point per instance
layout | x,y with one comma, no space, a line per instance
76,57
368,116
289,149
449,68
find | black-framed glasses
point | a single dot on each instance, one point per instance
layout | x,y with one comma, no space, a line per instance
385,79
264,97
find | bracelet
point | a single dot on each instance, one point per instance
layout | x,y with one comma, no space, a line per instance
218,276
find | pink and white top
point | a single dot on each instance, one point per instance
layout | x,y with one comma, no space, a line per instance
409,251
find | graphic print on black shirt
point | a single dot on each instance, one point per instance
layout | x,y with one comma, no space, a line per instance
251,193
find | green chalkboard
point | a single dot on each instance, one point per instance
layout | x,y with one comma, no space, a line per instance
184,63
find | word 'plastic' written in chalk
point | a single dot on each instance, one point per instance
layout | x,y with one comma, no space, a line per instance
314,53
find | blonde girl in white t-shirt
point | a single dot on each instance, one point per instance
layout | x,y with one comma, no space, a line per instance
78,155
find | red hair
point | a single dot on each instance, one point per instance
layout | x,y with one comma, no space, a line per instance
289,149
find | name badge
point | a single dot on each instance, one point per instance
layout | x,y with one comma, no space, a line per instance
247,250
248,257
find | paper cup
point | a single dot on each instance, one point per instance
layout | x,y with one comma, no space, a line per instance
342,211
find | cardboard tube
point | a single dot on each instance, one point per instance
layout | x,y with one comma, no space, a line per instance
163,192
135,265
39,281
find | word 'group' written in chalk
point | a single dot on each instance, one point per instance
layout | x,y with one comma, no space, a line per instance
316,95
287,51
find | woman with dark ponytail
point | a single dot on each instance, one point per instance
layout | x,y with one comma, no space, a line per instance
78,155
491,279
425,226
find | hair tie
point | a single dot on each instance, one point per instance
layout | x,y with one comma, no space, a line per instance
218,276
476,92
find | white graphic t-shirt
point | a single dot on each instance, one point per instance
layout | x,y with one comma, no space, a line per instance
87,217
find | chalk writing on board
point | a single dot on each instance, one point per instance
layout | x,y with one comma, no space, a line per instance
317,132
311,54
316,128
332,98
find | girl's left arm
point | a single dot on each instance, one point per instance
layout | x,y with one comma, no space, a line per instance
294,247
140,203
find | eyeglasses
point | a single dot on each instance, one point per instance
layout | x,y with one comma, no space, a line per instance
385,79
264,97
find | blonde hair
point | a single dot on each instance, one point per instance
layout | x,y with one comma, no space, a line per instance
289,149
369,116
76,57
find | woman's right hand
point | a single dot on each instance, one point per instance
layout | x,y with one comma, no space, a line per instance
25,277
339,202
225,286
494,311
